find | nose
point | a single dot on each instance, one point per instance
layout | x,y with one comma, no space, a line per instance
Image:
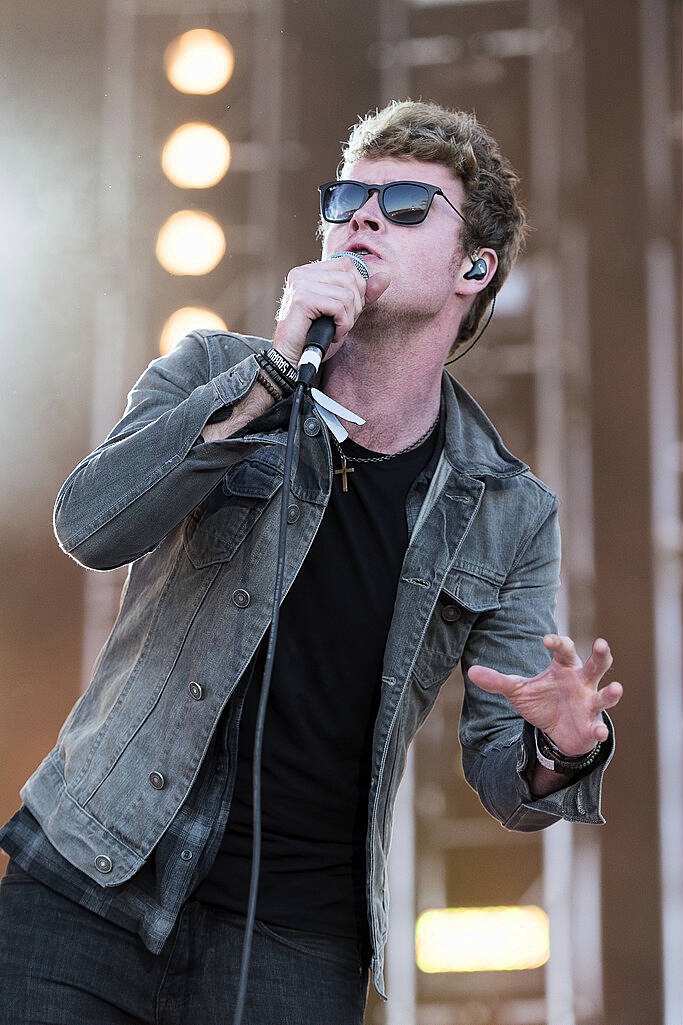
369,215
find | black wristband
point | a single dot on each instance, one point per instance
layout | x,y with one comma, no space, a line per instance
550,756
283,365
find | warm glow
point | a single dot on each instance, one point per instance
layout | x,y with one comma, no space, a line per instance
187,319
482,939
190,242
199,61
195,156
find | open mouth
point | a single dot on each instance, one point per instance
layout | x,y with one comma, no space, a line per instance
362,251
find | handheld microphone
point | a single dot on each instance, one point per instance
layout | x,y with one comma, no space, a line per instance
321,331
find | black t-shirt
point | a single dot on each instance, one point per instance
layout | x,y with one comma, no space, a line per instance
323,700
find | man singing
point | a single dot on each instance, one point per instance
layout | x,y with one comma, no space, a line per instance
417,543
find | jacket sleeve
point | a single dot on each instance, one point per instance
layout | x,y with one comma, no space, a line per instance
497,743
153,468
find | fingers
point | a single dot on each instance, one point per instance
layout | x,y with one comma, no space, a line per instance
564,652
375,286
338,301
563,649
606,698
599,661
600,732
333,288
609,696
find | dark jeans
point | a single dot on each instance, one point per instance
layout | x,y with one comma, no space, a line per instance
61,964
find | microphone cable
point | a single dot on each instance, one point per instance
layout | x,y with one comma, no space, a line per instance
493,306
261,714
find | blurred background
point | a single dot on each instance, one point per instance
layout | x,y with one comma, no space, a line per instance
158,172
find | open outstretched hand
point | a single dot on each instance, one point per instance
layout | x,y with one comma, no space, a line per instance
563,700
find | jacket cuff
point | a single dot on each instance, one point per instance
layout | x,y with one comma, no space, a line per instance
578,801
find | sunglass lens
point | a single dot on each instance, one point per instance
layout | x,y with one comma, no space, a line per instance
341,201
406,204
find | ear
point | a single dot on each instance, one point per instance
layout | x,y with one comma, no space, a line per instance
470,286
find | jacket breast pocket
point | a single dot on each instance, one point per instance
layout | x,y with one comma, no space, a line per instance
463,598
220,523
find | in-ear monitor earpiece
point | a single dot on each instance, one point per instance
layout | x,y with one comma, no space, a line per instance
479,269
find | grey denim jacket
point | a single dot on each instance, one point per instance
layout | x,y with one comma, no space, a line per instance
197,524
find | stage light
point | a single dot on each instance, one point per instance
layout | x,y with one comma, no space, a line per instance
190,242
187,319
199,61
195,156
482,939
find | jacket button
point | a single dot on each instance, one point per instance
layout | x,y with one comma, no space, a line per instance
241,598
311,426
103,863
449,613
186,855
157,780
195,690
293,513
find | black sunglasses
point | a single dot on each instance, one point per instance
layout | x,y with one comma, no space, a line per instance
400,202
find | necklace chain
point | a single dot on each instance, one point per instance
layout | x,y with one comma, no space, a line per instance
389,455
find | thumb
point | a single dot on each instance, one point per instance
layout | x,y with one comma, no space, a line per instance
375,286
492,681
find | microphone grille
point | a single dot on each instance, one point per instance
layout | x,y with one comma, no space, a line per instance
361,265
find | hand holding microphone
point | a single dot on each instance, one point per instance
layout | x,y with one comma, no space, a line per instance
321,332
321,303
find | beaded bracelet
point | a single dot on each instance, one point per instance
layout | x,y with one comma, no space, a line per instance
268,385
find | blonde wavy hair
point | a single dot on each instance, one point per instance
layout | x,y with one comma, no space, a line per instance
455,139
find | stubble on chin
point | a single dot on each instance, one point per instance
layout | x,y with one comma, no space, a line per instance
377,320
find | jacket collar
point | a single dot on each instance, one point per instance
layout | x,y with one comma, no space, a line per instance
472,444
